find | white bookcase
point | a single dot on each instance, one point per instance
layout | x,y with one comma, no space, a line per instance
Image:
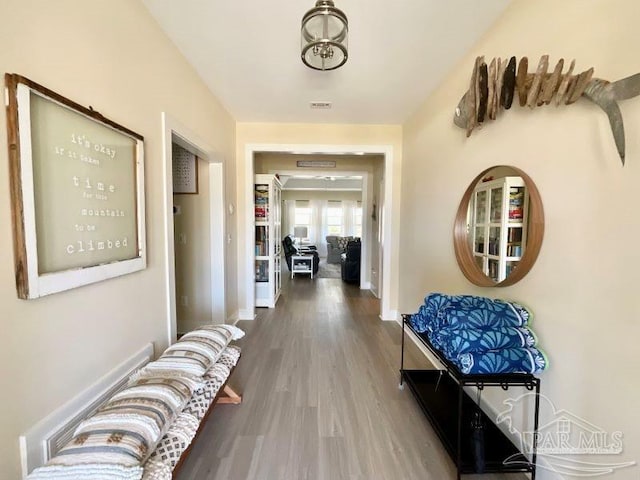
267,209
499,216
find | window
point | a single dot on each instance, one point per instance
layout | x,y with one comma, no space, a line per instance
357,220
303,215
334,218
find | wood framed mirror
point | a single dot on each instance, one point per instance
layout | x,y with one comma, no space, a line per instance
499,226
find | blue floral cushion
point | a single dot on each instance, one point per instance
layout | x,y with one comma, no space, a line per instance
506,360
454,341
479,334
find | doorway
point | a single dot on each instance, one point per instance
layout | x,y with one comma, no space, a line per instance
174,133
350,190
247,310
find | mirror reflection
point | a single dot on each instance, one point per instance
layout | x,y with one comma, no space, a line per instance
499,227
497,222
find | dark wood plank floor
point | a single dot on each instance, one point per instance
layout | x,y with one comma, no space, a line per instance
319,378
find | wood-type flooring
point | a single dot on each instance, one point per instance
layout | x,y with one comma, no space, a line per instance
319,379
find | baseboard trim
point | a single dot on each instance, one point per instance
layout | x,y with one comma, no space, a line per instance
42,440
246,314
233,318
390,316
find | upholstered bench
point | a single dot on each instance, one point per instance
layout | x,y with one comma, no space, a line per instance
144,431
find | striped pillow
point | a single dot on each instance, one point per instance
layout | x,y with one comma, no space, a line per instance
122,434
227,331
177,363
195,352
179,436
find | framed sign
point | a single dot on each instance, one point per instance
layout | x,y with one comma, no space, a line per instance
316,163
77,192
185,170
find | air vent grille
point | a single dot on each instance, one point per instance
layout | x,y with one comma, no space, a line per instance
320,105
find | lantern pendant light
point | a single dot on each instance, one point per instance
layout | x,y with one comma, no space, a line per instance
325,32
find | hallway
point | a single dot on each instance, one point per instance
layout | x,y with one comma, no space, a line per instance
319,377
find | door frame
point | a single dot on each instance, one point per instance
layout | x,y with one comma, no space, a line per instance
175,132
246,274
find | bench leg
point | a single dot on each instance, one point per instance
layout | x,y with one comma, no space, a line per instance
231,396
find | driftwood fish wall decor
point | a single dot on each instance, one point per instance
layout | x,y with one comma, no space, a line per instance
495,86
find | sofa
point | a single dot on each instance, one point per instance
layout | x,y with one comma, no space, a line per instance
336,246
350,263
144,430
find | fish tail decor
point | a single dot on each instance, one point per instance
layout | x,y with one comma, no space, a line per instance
495,87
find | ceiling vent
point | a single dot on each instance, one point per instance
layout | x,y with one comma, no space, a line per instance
320,105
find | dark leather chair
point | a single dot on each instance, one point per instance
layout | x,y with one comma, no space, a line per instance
350,264
289,249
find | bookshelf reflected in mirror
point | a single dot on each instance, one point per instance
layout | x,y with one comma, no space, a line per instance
499,227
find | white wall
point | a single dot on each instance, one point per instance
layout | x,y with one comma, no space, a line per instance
111,55
583,288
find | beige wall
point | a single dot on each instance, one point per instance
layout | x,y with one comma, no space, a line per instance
193,258
271,162
583,288
320,195
111,55
316,134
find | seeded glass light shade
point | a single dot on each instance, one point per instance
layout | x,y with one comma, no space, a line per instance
325,32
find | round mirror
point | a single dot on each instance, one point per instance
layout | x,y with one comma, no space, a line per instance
499,227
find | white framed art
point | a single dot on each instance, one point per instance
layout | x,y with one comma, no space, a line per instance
77,192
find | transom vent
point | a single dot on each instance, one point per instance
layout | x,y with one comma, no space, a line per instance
320,105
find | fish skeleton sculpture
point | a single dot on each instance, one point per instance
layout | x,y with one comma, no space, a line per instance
494,87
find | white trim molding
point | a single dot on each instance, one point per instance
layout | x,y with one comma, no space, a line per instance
246,250
390,316
246,314
174,131
42,440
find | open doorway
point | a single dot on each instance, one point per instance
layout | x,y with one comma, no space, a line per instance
200,236
332,205
327,151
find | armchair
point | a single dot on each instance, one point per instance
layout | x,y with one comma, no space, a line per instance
335,247
290,249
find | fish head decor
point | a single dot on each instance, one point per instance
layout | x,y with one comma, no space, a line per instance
462,114
494,87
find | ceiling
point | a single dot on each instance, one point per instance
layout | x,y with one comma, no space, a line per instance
248,54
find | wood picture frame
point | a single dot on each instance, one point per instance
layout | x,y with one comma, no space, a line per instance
77,192
535,234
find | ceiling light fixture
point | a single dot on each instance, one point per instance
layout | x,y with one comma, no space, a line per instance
325,31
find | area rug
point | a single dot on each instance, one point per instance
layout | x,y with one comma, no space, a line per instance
328,270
